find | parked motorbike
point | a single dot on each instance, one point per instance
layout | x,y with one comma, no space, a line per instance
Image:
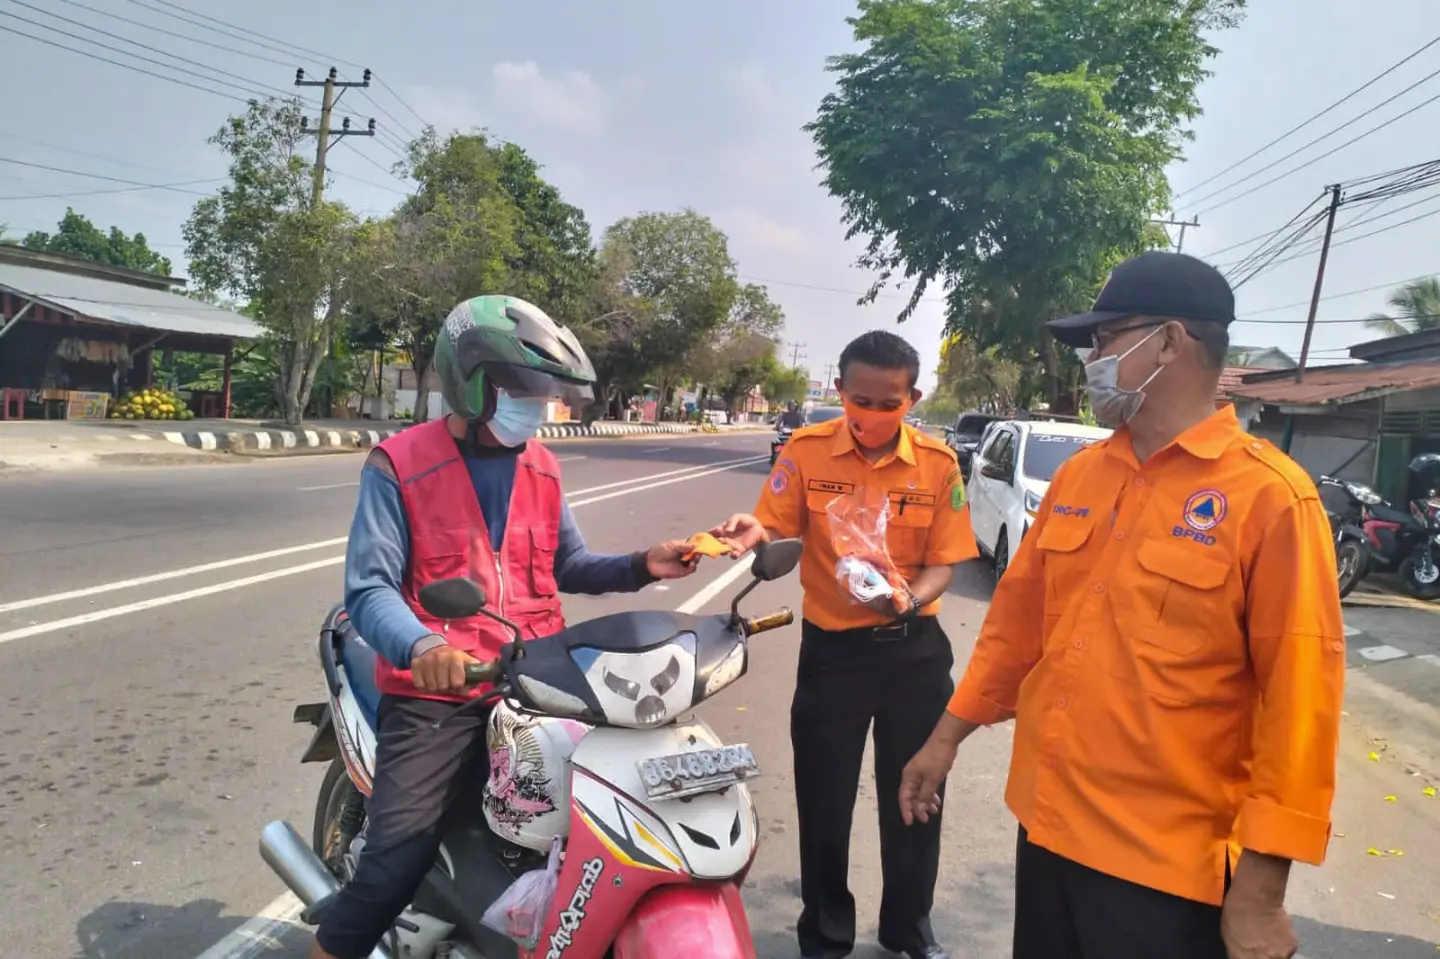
1352,548
1406,542
782,436
657,827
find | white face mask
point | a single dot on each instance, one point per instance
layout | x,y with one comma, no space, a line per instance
1113,406
516,420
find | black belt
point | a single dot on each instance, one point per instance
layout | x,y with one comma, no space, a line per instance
886,632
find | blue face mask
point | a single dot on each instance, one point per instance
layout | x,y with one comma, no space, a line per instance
516,420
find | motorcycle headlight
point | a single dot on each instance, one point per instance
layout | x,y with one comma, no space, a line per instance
1364,494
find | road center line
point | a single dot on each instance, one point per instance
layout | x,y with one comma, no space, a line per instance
311,489
258,935
655,476
83,619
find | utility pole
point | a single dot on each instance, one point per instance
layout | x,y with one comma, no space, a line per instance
827,384
1182,224
323,135
795,356
1319,281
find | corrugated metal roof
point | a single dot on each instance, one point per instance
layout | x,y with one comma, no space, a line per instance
1340,384
124,303
1230,378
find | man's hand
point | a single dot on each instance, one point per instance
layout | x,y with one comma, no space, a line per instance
742,532
440,671
921,779
667,560
1253,921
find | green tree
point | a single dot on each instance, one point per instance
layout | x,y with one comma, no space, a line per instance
261,240
971,377
784,384
736,357
76,236
1012,150
667,282
1416,308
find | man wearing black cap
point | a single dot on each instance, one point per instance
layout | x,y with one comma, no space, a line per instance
1177,702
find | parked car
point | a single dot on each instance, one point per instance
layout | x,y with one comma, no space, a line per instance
1011,473
964,437
821,414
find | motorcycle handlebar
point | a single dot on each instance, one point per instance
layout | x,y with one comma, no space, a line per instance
477,673
762,624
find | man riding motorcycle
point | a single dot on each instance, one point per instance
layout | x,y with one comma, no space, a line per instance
792,418
470,494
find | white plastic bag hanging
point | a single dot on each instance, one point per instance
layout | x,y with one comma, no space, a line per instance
520,911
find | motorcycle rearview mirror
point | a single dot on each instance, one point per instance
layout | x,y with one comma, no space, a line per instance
775,559
456,598
772,561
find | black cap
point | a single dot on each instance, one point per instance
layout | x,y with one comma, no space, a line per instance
1153,284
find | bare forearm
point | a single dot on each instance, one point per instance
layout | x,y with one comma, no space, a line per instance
930,583
1261,878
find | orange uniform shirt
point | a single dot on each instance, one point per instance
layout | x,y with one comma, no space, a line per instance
929,521
1168,640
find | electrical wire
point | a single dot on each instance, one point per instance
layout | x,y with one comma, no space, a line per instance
1312,161
1304,123
1347,293
123,189
6,135
180,36
127,66
100,176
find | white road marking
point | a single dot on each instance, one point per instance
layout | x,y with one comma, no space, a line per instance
655,476
678,479
37,629
568,459
84,619
311,489
1430,658
167,575
1352,631
1381,654
658,449
258,935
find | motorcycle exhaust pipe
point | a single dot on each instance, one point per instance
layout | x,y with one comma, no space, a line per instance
303,872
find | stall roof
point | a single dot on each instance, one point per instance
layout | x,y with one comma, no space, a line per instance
1336,385
125,304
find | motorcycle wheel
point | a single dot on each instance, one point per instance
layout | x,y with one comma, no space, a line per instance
1352,561
328,838
1413,586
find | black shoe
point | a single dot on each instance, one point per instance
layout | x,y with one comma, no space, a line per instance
932,951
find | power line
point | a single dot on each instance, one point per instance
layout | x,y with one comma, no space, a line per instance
101,176
5,134
127,66
1347,293
180,36
123,189
225,28
1303,124
261,91
1311,162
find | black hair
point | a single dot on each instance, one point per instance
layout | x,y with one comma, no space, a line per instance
1213,339
884,350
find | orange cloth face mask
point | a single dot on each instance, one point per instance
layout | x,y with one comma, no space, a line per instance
873,428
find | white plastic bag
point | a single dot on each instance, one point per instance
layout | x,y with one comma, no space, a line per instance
520,911
862,581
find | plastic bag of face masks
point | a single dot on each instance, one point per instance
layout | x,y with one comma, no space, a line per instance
865,571
520,911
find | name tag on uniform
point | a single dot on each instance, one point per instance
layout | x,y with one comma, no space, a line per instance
829,486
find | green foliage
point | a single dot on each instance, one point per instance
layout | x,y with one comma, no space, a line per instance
76,236
1416,306
1011,150
783,384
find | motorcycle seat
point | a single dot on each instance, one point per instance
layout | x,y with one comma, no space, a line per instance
359,662
1388,514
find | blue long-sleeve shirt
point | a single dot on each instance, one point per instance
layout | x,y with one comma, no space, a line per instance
378,556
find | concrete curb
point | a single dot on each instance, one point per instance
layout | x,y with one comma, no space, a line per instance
281,440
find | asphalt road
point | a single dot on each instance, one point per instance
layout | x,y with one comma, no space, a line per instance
157,627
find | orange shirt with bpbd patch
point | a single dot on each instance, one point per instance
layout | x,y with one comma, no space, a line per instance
1168,639
928,523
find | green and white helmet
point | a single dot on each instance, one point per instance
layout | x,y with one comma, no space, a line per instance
505,342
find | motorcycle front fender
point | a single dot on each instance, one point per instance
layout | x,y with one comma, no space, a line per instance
687,920
1355,533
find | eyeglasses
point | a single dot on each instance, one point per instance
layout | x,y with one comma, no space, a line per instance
1104,338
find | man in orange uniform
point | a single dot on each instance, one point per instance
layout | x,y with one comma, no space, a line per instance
1169,643
885,663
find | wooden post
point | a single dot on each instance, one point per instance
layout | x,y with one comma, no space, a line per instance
229,364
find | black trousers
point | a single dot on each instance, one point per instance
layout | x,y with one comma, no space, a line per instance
1064,910
418,772
899,679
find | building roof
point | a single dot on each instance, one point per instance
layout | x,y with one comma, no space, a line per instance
1337,385
123,303
1230,378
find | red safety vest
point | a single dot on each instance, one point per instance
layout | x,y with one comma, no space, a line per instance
448,538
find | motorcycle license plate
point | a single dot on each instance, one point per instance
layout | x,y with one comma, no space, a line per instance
698,771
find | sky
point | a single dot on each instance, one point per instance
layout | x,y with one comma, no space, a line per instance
652,105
